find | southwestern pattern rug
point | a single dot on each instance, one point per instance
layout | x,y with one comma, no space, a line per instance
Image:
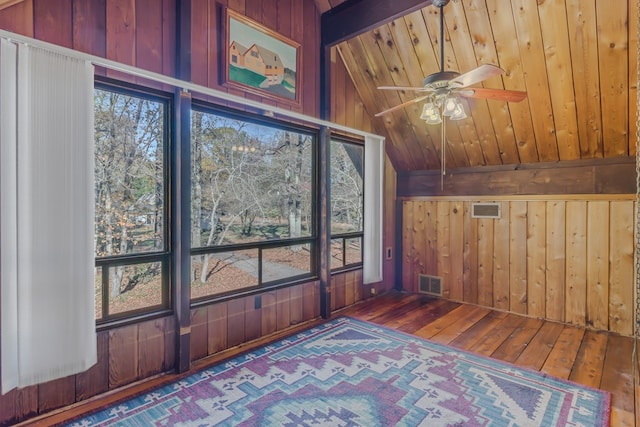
352,373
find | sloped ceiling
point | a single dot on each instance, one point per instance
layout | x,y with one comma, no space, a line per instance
576,59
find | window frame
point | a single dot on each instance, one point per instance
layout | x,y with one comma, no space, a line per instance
312,240
107,321
344,237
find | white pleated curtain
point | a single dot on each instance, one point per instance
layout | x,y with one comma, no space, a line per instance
47,292
373,192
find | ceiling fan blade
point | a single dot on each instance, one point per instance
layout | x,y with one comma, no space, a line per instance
404,104
414,88
476,75
495,94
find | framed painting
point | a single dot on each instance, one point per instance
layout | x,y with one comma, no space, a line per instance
259,60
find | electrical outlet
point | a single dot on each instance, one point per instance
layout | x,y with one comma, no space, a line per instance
373,291
389,252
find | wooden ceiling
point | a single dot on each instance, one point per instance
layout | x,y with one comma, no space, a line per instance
576,59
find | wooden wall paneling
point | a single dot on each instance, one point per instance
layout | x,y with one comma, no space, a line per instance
583,38
283,309
408,279
430,244
527,23
284,17
632,43
169,329
252,318
200,57
199,334
151,342
518,257
269,313
306,27
56,394
420,233
338,284
480,32
237,5
121,35
338,104
555,262
235,322
95,380
19,404
52,22
311,300
501,257
456,244
18,18
89,27
443,246
149,41
597,261
217,327
169,42
350,102
388,229
576,248
336,65
613,59
555,38
485,262
124,353
507,51
349,288
295,301
482,148
470,256
621,271
358,294
536,258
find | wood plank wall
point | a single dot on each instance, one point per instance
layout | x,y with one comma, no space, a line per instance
563,258
139,33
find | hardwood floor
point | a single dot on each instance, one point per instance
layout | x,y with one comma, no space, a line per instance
595,359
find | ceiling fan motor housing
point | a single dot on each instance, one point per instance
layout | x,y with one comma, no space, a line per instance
440,3
440,79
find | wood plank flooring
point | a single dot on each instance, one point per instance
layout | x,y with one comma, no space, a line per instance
595,359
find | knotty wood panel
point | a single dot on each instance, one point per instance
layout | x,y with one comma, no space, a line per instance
565,260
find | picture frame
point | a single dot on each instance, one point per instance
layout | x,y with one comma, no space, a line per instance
258,60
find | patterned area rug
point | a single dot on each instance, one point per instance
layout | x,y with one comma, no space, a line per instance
352,373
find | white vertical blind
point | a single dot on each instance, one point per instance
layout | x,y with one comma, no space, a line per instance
373,196
47,216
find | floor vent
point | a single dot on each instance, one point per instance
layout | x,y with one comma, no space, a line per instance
431,285
485,210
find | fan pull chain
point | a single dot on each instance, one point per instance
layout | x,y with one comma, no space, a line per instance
443,166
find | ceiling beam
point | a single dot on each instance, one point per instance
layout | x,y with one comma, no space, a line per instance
354,17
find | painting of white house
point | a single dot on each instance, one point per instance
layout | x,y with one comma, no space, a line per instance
259,60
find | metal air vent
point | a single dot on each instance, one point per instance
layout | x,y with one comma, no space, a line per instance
485,210
430,285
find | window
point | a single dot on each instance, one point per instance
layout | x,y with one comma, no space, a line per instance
252,210
347,202
131,140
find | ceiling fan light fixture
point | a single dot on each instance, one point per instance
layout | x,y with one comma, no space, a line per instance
450,105
458,112
431,114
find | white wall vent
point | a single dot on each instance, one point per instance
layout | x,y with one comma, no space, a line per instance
430,285
485,210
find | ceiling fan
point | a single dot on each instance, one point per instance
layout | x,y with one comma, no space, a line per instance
443,87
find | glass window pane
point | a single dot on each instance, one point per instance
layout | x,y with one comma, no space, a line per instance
136,286
289,261
98,287
347,190
223,272
354,250
250,182
129,174
337,253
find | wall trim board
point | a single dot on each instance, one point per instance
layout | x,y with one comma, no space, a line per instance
593,176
